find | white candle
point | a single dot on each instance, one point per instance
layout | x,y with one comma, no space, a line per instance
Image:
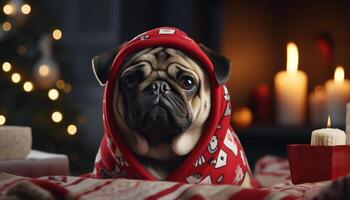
317,103
347,126
338,94
290,87
328,136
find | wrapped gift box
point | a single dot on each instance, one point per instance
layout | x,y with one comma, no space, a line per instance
318,163
37,164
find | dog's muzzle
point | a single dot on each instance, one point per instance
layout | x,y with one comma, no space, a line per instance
158,113
158,88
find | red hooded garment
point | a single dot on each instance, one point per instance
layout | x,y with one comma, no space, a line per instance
218,158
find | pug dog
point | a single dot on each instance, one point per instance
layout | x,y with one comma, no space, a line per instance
161,102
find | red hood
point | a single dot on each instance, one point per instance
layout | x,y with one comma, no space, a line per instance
226,163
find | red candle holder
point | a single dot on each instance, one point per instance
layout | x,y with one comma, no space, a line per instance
318,163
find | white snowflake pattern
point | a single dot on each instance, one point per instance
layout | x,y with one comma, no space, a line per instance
239,175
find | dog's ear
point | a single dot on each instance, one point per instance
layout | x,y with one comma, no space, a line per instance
222,65
101,64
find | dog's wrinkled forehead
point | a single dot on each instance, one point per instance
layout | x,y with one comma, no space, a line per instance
159,59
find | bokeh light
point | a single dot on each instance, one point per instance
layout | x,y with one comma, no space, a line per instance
60,84
16,77
6,66
25,9
72,129
8,9
56,116
67,88
53,94
28,86
57,34
6,26
44,70
2,120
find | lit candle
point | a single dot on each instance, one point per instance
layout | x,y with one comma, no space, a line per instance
328,136
317,102
338,94
291,86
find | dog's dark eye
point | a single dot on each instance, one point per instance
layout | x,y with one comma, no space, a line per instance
131,81
186,82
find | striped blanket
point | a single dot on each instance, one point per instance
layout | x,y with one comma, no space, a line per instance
272,173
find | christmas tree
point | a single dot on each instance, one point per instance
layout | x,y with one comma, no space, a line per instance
35,80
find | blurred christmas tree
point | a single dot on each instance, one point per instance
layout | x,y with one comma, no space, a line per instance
34,79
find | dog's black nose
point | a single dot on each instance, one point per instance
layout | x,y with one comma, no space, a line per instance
159,87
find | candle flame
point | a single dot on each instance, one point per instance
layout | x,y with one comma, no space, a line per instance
329,124
292,57
339,75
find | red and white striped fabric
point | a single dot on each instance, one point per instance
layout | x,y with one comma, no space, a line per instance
271,170
66,187
85,188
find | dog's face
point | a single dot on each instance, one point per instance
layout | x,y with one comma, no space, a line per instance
163,91
162,96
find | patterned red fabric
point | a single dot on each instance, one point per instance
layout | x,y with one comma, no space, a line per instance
66,187
280,188
218,158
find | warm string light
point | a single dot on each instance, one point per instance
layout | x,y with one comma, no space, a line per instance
28,86
16,77
57,34
53,94
66,87
6,26
25,9
8,9
2,120
60,84
72,129
6,66
56,116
